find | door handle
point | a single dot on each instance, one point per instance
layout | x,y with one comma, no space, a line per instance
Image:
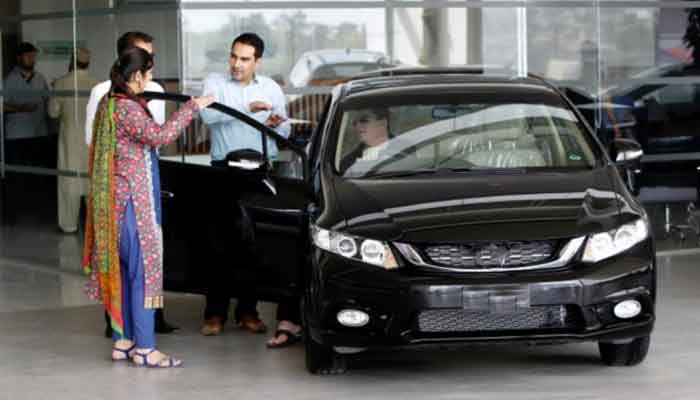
164,194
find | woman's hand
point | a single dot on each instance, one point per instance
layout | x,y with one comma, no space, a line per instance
204,101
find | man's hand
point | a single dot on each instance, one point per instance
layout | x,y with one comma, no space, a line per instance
20,108
274,120
29,107
259,106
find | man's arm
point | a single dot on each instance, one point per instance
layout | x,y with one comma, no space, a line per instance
156,107
19,108
279,107
55,102
90,110
10,102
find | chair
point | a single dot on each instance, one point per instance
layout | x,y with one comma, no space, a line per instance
515,151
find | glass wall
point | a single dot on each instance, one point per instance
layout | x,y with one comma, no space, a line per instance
53,53
628,65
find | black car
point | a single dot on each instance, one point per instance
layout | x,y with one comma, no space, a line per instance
660,109
490,213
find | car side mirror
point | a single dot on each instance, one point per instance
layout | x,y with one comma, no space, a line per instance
626,150
246,159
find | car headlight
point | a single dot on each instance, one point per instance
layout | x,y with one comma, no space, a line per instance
607,244
371,251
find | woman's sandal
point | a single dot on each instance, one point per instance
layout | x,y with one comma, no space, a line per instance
142,360
126,354
291,339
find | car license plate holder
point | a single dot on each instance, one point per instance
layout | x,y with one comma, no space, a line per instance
496,300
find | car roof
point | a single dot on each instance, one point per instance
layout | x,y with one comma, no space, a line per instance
416,79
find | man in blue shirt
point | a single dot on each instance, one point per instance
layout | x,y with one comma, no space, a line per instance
26,129
262,99
242,89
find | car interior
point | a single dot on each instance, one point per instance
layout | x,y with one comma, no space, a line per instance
477,136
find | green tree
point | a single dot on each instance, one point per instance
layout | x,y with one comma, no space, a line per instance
297,29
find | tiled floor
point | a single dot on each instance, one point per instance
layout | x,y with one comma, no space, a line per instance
51,346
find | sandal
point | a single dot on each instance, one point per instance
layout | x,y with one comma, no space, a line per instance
252,324
142,360
291,339
126,354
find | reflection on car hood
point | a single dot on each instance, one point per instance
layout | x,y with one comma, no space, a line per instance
457,207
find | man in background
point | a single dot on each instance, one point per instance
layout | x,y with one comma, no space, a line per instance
156,107
26,132
72,151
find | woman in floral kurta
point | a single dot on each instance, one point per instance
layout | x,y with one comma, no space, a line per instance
124,244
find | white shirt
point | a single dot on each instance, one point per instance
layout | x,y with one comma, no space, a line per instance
372,153
157,107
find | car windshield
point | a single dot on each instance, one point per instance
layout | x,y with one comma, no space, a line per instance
396,139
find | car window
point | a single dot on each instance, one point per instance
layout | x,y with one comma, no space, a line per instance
376,140
194,144
287,163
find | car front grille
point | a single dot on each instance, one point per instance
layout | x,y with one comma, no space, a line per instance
483,255
532,318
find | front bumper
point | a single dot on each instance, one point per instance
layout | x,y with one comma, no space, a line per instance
410,307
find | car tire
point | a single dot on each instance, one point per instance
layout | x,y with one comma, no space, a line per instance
624,354
320,359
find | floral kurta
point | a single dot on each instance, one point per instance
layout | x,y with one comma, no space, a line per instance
137,136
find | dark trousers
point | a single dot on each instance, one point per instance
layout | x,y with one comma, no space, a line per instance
218,306
221,276
289,310
34,152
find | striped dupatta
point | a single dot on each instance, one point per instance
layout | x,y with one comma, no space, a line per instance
101,246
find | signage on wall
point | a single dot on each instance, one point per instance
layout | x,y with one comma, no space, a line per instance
57,49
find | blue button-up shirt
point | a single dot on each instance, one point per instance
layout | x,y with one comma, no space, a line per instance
22,125
229,133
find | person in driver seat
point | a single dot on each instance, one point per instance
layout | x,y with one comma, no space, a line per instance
372,129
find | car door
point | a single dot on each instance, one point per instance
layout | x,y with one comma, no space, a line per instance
279,218
228,222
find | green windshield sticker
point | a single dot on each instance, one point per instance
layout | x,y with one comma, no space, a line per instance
574,157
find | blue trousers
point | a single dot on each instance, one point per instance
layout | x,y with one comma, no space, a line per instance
138,320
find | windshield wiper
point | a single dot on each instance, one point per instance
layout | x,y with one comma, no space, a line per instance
397,174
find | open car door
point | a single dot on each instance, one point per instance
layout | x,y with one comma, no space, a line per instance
241,221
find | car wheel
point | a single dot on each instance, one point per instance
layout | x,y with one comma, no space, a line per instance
624,354
320,359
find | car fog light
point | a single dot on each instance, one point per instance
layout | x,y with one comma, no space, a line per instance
353,318
627,309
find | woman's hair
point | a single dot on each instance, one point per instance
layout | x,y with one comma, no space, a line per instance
130,61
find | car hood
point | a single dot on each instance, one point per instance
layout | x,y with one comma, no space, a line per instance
485,206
